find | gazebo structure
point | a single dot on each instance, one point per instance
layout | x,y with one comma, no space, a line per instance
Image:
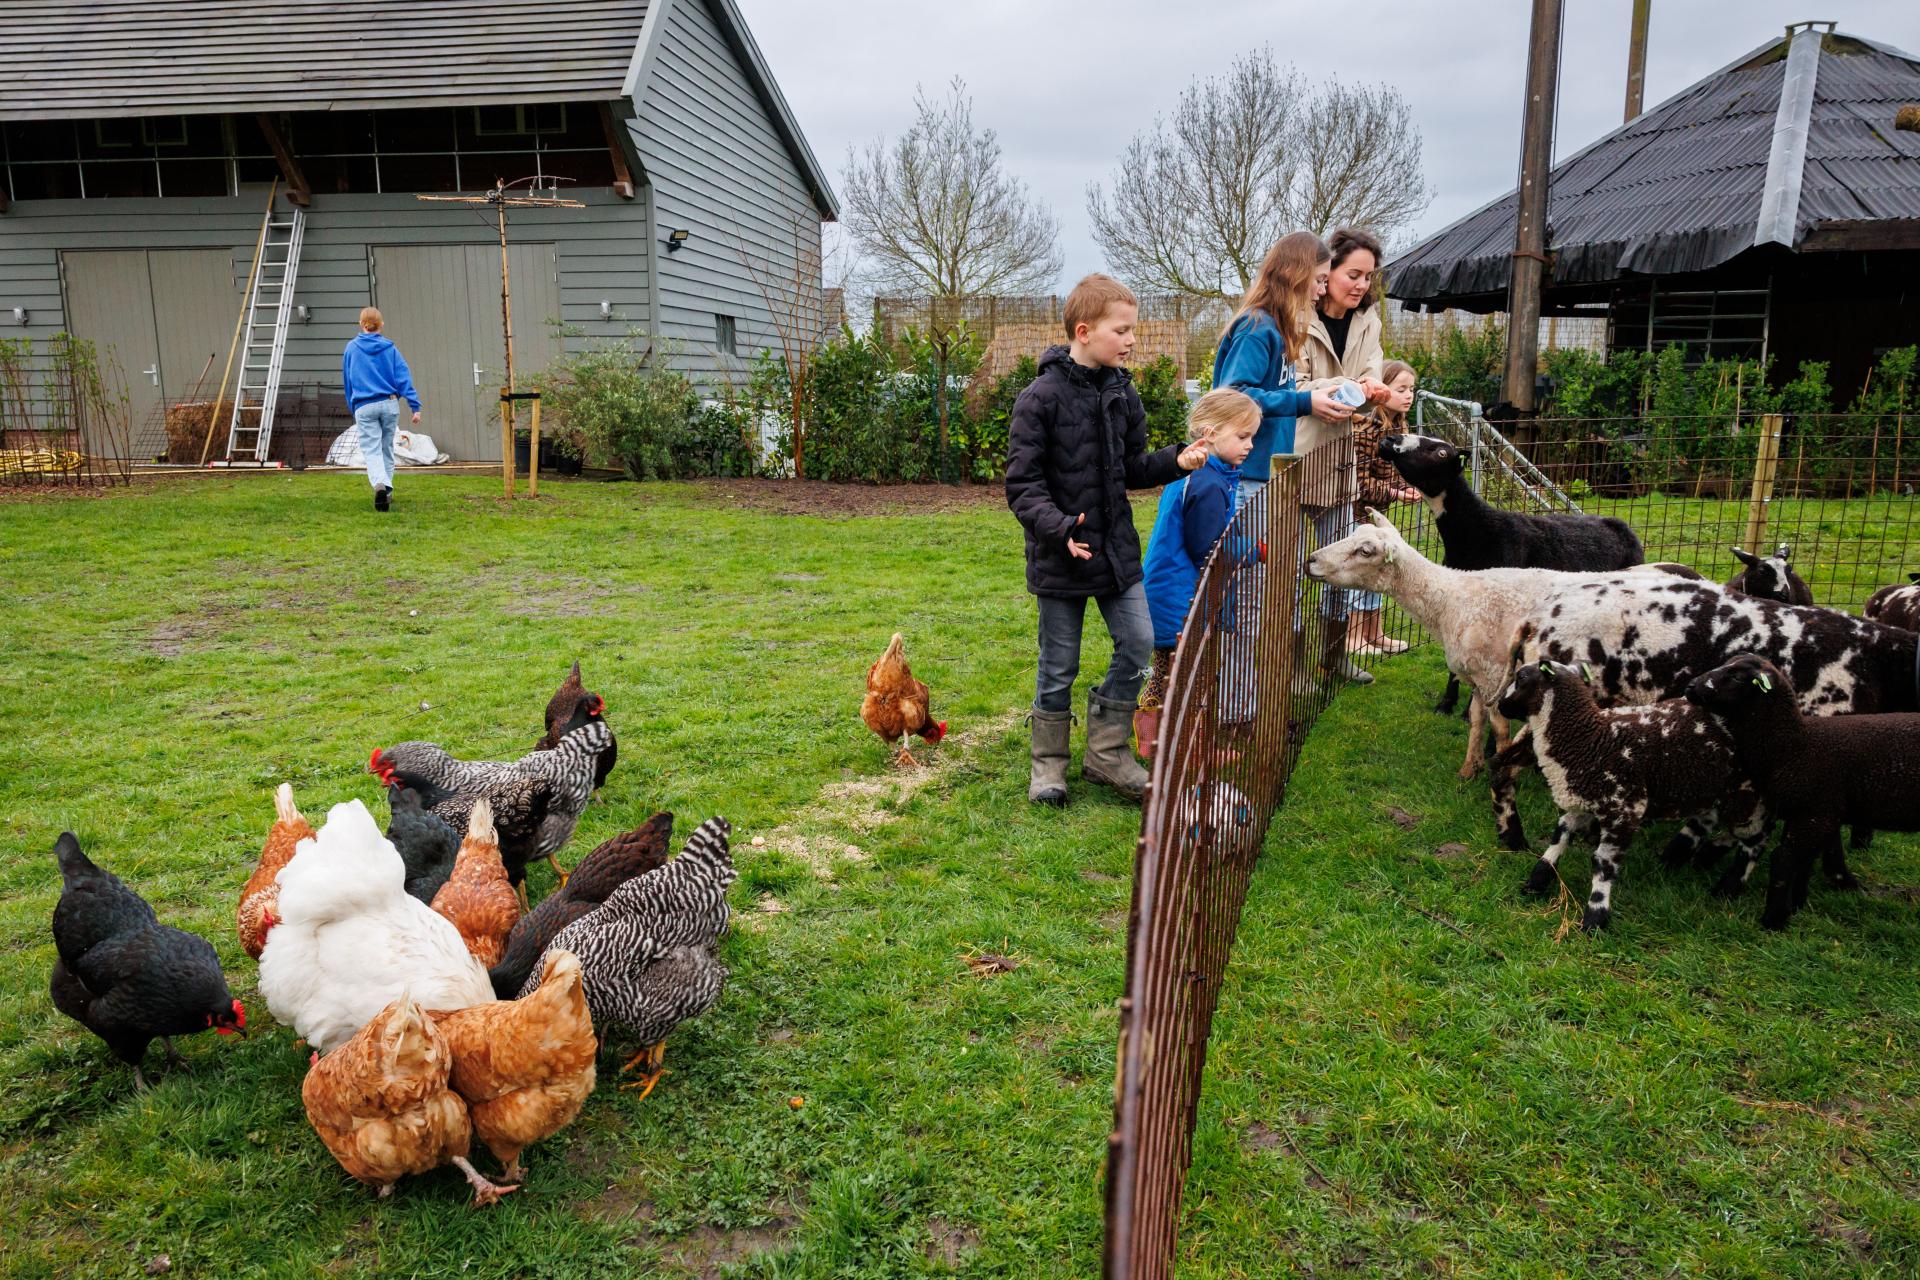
1770,209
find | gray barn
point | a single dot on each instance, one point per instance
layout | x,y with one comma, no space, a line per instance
137,142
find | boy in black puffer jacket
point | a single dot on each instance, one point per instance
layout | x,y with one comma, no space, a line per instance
1076,443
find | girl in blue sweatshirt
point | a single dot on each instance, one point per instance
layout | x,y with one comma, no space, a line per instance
376,379
1194,513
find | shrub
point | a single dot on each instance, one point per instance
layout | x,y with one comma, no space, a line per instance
625,405
1164,397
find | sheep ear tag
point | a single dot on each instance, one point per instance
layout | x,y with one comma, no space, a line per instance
1546,666
1765,683
1586,673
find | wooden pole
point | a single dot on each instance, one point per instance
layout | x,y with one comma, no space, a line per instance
1637,58
246,303
1764,466
1529,270
533,454
506,328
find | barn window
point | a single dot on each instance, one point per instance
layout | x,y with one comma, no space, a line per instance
725,335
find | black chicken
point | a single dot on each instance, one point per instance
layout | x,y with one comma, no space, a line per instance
569,708
598,874
125,976
427,844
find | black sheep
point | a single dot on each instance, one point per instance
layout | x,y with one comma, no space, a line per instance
1769,577
1897,606
125,976
1815,772
1478,536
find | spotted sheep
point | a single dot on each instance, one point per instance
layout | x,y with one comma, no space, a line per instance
1814,772
1646,638
1897,606
1619,768
1473,614
1769,577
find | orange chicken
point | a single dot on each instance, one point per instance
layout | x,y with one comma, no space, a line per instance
382,1104
262,890
897,705
524,1066
477,897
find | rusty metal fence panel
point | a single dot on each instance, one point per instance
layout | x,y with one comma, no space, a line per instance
1240,699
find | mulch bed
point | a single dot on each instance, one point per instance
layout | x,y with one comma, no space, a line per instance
813,498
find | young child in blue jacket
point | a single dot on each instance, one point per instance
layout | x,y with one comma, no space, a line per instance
376,379
1194,514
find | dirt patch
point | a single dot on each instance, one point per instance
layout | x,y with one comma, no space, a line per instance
171,639
950,1242
1831,1226
1113,920
704,1250
53,492
845,501
1448,852
1097,877
1402,819
564,598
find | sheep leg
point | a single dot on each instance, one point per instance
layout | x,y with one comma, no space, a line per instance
1544,877
1503,778
1861,838
1833,860
1450,699
1476,735
1793,867
1501,739
1749,824
1689,840
1606,869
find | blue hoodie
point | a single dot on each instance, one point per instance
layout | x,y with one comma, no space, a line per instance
1253,358
1194,513
373,369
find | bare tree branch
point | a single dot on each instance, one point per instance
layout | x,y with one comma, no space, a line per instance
935,213
1247,157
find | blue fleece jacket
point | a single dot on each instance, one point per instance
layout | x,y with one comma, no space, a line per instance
372,368
1194,513
1253,358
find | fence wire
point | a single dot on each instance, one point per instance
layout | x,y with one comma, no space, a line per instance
1242,695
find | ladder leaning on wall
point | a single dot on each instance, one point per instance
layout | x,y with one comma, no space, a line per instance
264,340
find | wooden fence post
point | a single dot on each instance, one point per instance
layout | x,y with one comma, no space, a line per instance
1765,464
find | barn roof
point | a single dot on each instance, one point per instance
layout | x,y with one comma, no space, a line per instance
1795,137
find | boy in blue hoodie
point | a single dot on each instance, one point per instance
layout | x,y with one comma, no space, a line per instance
1194,513
377,379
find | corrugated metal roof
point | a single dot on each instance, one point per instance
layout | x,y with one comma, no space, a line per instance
71,59
1680,188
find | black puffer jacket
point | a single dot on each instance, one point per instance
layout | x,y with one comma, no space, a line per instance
1077,442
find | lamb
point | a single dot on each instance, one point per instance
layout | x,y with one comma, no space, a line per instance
1474,614
1479,536
1815,772
1622,767
1897,606
1769,578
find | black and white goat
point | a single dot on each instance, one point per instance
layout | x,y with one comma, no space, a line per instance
1619,768
1769,577
1479,536
1897,606
1814,772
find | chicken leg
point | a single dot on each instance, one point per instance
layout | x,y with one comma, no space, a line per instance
484,1192
653,1054
552,862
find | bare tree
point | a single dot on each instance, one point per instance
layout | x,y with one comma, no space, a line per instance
1246,158
935,213
790,282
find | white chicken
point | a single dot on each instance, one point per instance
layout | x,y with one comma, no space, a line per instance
345,940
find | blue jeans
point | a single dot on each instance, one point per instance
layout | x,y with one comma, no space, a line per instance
1130,625
1328,524
378,422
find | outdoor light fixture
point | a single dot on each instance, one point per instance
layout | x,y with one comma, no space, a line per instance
303,312
606,309
19,315
677,238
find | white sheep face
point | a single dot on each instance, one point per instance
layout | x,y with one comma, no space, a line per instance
1361,559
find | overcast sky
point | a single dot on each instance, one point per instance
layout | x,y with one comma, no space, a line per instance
1066,86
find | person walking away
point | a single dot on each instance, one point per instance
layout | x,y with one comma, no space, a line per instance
1380,487
377,379
1256,357
1341,344
1194,513
1076,442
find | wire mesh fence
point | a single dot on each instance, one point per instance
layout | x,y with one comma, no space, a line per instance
63,415
1243,692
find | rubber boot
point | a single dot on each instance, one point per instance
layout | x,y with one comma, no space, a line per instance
1109,759
1334,658
1051,730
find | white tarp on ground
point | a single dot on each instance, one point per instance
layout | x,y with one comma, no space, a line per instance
410,449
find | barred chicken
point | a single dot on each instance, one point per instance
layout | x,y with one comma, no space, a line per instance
345,939
571,703
649,953
426,842
126,977
257,898
597,875
384,1105
524,1066
477,898
897,705
554,784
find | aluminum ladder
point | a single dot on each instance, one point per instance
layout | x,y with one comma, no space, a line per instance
264,355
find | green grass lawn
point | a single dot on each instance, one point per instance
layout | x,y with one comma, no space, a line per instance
1415,1070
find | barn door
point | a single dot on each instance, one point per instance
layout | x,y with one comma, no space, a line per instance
110,303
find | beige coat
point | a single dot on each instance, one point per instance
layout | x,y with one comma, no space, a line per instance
1317,369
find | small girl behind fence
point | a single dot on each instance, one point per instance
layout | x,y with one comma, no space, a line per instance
1381,485
1194,513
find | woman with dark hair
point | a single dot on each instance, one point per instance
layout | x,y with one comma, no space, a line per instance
1341,343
